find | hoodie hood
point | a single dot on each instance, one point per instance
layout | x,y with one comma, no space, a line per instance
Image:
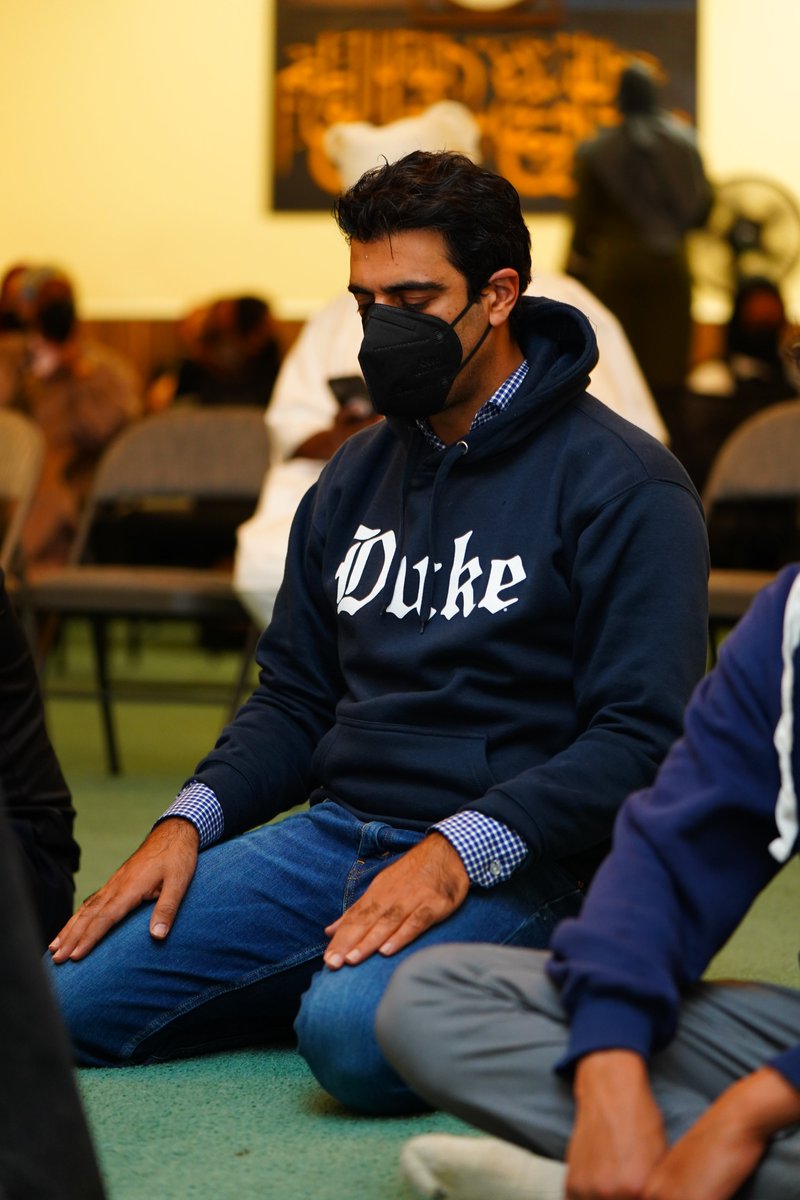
561,349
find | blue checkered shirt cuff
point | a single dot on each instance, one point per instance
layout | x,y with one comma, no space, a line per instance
198,804
489,850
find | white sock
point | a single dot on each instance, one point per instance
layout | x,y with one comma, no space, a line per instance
441,1166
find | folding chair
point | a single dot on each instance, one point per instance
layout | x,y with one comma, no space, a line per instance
759,461
187,455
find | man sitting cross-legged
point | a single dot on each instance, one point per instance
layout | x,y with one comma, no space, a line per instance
610,1056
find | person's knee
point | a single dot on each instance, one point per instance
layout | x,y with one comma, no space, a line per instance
441,999
412,1020
78,997
416,983
74,1002
336,1036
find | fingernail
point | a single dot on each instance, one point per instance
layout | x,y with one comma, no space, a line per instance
54,945
387,948
160,930
353,956
334,961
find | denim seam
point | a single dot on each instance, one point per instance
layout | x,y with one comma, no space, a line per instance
545,906
219,990
353,876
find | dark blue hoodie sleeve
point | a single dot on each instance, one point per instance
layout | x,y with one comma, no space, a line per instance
691,853
639,587
260,765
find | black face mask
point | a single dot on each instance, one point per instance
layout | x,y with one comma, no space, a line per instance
410,359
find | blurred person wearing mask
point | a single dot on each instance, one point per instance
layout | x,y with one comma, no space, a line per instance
751,372
79,392
754,370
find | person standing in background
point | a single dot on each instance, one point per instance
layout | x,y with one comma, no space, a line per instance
640,186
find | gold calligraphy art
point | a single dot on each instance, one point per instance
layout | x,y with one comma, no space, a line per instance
534,97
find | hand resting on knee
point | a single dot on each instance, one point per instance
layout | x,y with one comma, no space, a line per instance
161,870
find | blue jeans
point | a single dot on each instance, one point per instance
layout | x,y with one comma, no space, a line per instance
248,941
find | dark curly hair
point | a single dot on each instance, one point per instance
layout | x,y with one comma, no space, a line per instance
476,211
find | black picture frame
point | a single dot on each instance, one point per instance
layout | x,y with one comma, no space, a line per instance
539,76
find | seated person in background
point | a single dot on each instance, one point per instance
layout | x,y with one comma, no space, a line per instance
79,392
306,422
752,373
479,648
609,1053
230,355
754,368
304,405
33,791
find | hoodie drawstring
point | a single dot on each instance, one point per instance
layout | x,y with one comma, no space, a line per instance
449,459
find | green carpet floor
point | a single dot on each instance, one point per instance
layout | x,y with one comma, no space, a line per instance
251,1123
235,1125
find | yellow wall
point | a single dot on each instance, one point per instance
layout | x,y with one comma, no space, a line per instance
134,141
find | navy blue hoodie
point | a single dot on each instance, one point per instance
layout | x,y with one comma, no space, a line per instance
537,672
692,852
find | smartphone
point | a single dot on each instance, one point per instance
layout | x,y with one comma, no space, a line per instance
351,394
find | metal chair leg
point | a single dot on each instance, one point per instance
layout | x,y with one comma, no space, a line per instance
98,626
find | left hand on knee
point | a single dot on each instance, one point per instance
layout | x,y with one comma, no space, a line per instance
421,889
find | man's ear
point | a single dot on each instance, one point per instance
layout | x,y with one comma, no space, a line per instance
502,291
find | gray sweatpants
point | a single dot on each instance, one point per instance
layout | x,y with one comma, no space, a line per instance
476,1031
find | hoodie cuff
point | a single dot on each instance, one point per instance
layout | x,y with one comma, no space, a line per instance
606,1023
788,1064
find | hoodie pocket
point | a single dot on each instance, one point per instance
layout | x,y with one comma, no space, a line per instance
402,771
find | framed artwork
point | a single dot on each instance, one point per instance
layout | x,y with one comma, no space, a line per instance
535,76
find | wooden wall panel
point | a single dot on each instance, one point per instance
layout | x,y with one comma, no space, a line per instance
152,343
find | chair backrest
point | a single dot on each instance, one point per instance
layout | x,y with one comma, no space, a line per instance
760,460
196,453
21,459
211,452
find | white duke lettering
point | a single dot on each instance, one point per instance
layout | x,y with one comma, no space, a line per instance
365,570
